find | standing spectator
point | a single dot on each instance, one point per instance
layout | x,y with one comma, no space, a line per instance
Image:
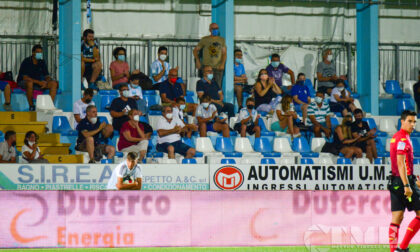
169,135
91,61
120,107
208,119
30,151
340,100
79,107
265,92
207,85
284,117
366,140
301,98
416,91
5,87
120,70
136,93
326,73
91,130
160,67
33,75
276,70
7,148
319,118
240,78
178,111
127,175
248,120
213,53
132,136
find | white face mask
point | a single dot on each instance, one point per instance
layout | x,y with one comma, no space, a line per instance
126,93
318,99
205,105
93,120
169,116
134,85
136,118
31,143
182,106
162,57
340,89
329,57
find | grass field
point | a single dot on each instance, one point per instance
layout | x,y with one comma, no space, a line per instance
376,248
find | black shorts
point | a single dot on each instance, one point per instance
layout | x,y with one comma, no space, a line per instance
362,145
249,128
399,202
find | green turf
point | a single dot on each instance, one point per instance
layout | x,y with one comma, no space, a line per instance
376,248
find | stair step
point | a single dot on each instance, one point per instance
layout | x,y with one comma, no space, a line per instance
22,127
65,159
18,117
49,148
52,138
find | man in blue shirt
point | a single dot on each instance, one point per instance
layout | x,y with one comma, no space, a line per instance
207,85
240,78
277,70
120,107
301,97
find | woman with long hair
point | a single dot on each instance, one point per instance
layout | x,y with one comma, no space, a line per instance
284,116
30,151
344,141
265,92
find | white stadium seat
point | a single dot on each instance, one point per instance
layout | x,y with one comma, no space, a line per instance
203,144
192,82
44,102
242,144
317,144
387,146
325,160
388,125
361,161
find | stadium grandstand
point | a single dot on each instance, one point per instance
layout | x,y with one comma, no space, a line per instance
258,124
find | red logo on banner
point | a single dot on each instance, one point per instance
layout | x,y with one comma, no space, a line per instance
228,178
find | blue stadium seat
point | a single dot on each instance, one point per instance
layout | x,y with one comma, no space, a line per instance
151,99
228,161
199,154
334,122
154,155
188,142
119,154
344,161
416,146
378,161
405,104
306,161
393,87
372,125
263,145
103,119
189,161
106,161
47,91
264,130
268,161
61,125
232,154
108,92
416,161
144,119
301,145
189,98
149,92
155,112
224,144
106,101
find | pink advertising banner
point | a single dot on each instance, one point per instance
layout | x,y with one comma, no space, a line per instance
194,218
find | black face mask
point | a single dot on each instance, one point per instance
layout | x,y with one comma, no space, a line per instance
300,82
348,123
250,106
358,121
14,143
87,101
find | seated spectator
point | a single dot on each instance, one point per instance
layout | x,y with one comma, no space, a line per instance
344,142
416,92
248,120
178,111
5,87
132,136
367,136
240,78
120,107
208,119
319,118
91,130
266,92
340,100
33,75
276,70
169,131
7,148
127,175
91,61
284,117
160,67
30,151
120,70
136,93
79,107
207,85
301,97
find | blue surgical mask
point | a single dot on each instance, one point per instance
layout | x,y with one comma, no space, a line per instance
121,57
215,32
275,64
182,106
38,55
134,86
318,99
210,76
239,61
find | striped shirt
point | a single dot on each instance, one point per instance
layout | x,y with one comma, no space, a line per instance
157,68
319,113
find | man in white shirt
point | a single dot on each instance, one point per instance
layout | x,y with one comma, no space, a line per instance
169,131
127,175
209,120
178,111
248,119
7,148
160,67
79,107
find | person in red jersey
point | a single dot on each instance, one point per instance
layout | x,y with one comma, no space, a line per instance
403,185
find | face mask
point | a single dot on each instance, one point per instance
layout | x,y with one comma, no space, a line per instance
318,99
14,143
210,76
340,89
93,120
136,118
250,106
134,85
162,57
182,106
126,93
358,121
239,61
215,32
300,83
348,123
31,143
275,64
329,57
121,57
38,56
169,116
87,101
173,80
264,77
205,105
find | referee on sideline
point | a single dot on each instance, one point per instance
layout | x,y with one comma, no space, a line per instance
403,185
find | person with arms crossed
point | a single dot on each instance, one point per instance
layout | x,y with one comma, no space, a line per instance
127,175
403,185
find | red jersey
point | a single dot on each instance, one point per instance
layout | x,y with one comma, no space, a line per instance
401,145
